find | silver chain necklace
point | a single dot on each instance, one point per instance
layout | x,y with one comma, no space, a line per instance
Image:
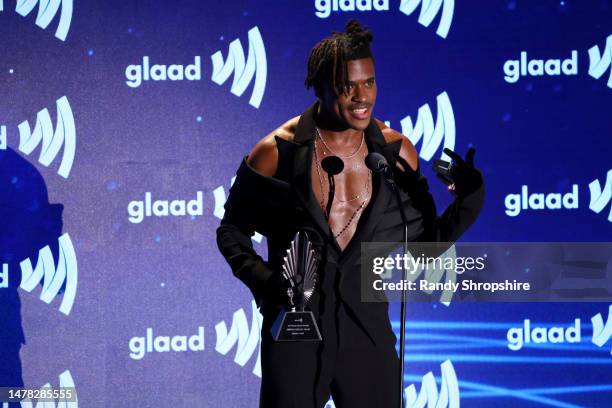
336,154
322,201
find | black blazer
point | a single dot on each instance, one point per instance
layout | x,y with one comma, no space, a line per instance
278,206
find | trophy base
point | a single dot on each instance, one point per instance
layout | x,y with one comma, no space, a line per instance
295,326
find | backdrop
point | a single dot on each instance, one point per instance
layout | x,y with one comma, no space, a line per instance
134,115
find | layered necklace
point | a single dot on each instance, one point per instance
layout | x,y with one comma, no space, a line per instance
364,195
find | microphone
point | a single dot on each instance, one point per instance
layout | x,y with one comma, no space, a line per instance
378,164
332,165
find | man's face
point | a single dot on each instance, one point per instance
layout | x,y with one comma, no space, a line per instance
354,106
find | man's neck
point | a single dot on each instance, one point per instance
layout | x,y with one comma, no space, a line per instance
333,129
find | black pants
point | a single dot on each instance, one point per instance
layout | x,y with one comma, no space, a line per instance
346,365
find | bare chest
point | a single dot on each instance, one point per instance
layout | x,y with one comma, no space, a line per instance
352,192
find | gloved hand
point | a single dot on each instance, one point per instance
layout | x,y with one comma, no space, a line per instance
461,176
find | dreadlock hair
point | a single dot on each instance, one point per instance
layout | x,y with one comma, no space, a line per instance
328,59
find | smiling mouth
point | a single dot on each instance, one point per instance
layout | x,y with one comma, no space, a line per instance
360,113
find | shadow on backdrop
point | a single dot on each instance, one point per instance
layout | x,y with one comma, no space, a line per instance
27,223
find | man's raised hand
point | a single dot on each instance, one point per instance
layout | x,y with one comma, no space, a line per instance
460,175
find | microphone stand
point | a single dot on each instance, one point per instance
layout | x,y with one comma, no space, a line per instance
390,179
378,163
332,192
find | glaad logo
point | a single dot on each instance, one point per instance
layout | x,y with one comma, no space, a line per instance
602,333
601,197
540,201
256,65
65,381
599,62
220,199
429,396
519,336
138,210
135,74
140,346
514,69
429,11
47,10
245,340
434,136
53,277
52,141
325,7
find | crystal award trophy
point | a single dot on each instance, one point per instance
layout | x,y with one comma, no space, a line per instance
300,270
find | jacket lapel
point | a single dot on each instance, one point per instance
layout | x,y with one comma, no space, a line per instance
302,160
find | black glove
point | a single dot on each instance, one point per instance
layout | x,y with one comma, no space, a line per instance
461,176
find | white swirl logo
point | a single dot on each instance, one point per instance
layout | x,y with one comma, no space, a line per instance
448,396
255,65
52,141
245,340
3,142
599,62
435,136
47,10
601,197
429,11
602,333
53,278
4,283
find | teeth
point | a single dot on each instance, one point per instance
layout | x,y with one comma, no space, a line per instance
360,110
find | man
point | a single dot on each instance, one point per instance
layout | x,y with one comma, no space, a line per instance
29,223
282,187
